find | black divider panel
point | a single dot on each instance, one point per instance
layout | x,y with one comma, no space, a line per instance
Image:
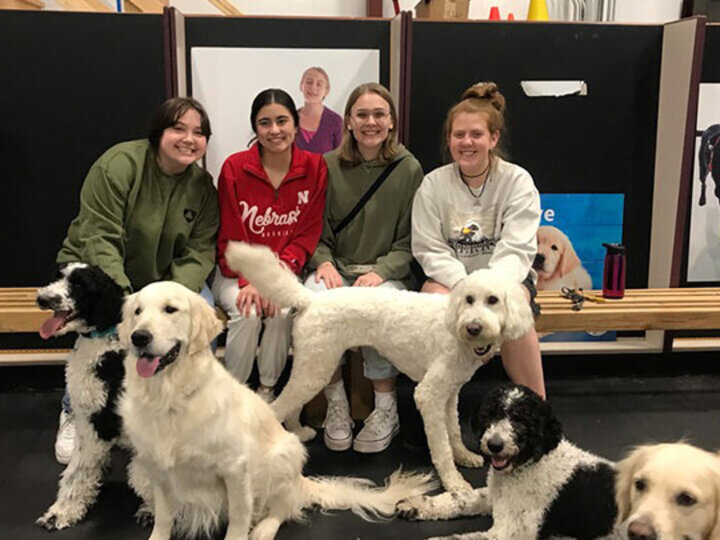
600,143
711,57
72,85
295,33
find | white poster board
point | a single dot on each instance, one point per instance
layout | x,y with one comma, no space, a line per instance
704,244
226,80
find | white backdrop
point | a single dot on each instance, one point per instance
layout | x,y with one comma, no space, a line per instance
226,80
704,247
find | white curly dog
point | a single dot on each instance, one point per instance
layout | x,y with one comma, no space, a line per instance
436,340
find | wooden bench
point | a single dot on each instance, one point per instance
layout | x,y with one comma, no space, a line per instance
640,309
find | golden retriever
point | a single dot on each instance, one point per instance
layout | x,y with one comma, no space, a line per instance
669,492
212,450
556,263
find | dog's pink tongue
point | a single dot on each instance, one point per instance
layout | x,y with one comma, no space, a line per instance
498,462
52,325
146,367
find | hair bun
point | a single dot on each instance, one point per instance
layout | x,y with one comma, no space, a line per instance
487,91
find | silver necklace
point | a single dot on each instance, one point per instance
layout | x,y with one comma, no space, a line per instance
477,197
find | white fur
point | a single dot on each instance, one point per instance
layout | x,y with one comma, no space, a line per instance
81,479
214,450
654,481
423,335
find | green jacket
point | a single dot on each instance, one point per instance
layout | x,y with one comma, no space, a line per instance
140,225
379,235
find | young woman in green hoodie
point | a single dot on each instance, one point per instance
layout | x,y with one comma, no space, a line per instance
371,250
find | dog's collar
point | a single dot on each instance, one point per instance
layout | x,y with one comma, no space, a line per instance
97,334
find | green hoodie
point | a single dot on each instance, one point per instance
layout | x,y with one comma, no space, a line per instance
140,225
379,235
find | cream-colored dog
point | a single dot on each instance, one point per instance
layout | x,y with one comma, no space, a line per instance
556,263
212,450
438,340
669,492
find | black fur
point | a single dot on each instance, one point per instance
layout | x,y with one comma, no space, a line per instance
585,508
98,299
110,370
709,160
537,429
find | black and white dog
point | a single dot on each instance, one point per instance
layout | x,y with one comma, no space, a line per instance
87,301
709,160
539,485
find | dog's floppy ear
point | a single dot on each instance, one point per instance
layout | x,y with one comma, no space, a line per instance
715,532
624,480
455,300
205,324
569,260
128,319
518,314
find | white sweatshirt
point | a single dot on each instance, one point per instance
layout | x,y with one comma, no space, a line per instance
455,232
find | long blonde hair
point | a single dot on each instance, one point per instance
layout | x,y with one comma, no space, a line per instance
484,98
348,149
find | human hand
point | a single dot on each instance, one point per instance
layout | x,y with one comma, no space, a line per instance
371,279
247,297
330,276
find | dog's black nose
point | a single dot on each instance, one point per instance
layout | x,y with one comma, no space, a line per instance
473,329
539,261
495,444
140,338
641,529
47,301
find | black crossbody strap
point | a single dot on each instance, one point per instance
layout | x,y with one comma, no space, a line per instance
366,196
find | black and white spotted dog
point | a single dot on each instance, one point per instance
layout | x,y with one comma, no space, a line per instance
709,160
539,485
85,300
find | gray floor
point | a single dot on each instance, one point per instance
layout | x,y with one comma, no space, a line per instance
606,406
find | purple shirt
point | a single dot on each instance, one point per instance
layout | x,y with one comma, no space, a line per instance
328,134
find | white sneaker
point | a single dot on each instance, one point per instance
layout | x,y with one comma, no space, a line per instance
380,427
266,394
338,426
65,439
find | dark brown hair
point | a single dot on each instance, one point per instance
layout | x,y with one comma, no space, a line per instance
170,112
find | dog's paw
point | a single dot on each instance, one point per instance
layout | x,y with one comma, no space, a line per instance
144,517
52,521
457,484
410,508
469,459
305,433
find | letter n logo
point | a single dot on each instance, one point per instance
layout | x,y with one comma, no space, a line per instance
303,197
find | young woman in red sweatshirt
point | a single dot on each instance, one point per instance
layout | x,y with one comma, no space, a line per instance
271,194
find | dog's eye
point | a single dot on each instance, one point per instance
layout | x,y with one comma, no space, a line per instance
170,309
492,300
138,311
640,484
554,247
685,499
470,299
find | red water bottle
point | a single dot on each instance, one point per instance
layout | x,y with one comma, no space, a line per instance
614,271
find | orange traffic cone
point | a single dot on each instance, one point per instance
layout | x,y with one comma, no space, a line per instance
537,11
511,16
494,14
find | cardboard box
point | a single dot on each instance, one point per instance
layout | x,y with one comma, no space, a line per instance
443,9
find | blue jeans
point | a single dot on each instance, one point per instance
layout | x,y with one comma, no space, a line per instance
205,293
